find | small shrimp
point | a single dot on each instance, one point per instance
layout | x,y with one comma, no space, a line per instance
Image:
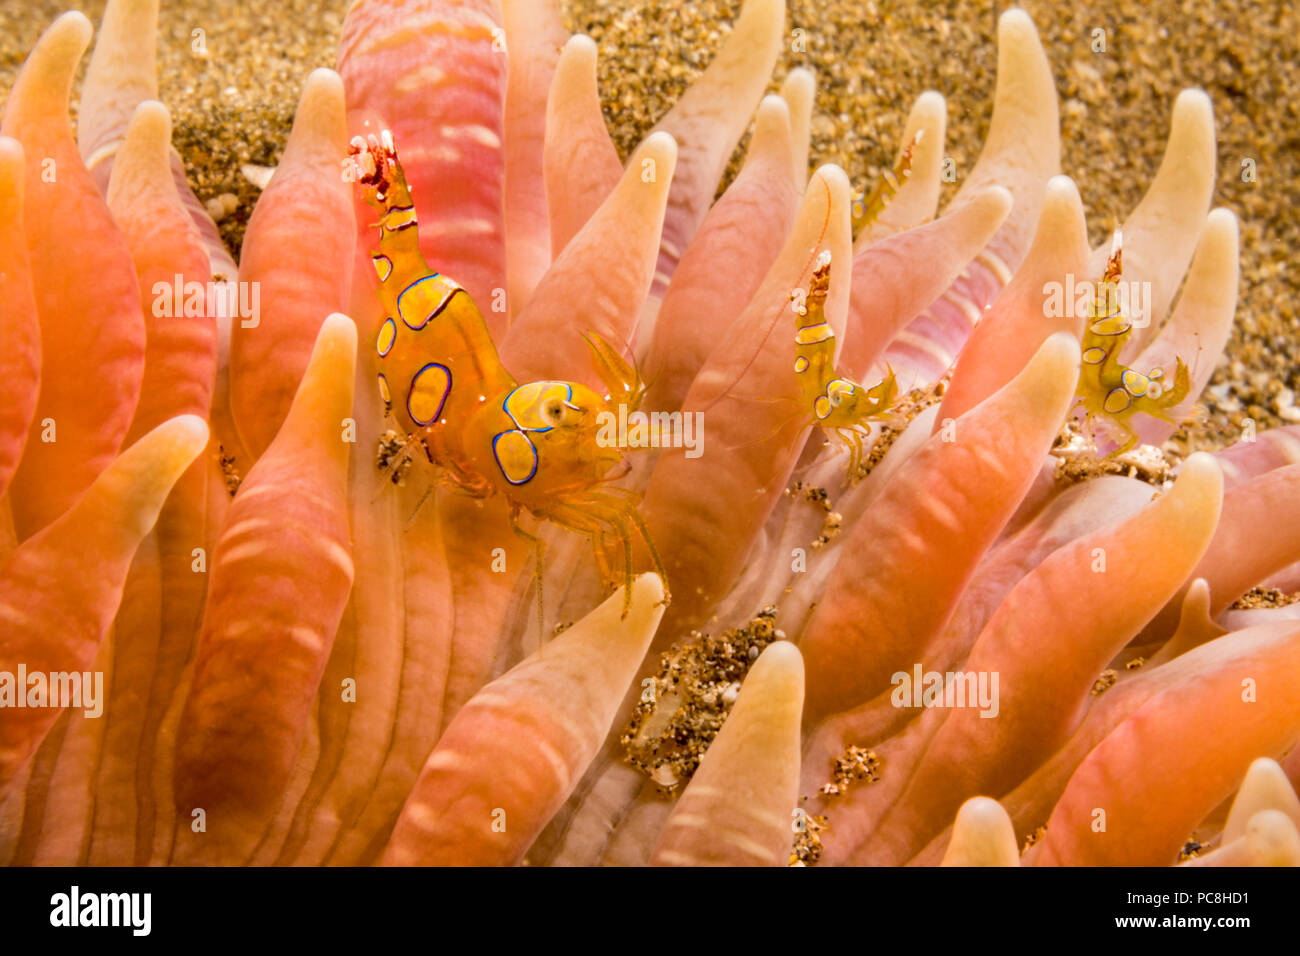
1112,391
863,214
868,209
838,403
445,389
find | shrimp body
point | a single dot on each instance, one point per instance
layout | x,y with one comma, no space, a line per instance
1108,389
534,441
837,402
538,444
437,361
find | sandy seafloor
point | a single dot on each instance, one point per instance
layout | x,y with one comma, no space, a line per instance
233,105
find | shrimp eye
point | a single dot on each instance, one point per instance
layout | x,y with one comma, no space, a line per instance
553,410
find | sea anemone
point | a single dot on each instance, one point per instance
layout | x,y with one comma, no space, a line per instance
308,662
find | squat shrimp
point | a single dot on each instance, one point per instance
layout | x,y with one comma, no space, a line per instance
868,209
445,389
838,403
1109,389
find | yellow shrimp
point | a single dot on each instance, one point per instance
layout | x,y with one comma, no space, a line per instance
814,361
868,209
538,444
1108,389
838,403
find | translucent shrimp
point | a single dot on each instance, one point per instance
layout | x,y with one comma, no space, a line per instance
448,396
820,355
868,209
1109,390
838,403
